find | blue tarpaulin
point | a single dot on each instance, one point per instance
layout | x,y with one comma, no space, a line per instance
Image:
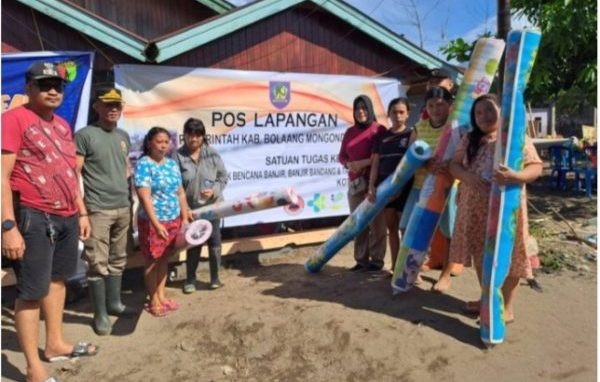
78,69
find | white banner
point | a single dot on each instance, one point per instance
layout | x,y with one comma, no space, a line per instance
273,130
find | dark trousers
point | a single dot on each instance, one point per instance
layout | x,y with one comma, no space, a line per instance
193,254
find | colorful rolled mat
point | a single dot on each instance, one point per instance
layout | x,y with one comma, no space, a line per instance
435,190
252,203
522,46
364,214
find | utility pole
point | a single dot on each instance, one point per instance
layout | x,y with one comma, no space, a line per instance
503,28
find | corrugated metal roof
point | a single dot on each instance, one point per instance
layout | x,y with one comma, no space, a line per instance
219,6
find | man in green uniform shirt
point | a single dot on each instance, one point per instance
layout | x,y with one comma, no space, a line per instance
102,160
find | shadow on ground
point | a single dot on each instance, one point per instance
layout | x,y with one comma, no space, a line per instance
360,291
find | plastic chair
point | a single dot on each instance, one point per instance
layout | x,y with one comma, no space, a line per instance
586,170
589,175
562,164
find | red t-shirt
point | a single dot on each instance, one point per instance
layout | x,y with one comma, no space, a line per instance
357,144
44,172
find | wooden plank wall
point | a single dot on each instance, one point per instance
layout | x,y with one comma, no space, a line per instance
148,18
303,39
19,35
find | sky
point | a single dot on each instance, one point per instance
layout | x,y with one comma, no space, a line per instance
440,20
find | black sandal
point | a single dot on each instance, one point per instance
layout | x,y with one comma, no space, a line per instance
535,285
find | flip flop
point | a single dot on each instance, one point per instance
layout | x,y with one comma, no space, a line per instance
59,358
170,305
52,379
535,285
81,349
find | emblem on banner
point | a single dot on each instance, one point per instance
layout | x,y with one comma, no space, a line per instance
279,93
67,70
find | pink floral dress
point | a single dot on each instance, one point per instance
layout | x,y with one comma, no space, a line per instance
468,239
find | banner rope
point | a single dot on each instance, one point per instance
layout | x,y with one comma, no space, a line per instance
98,49
37,29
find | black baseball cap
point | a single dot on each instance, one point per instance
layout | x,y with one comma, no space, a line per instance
44,70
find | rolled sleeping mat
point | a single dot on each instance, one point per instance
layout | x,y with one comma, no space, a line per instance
435,190
252,203
363,215
522,47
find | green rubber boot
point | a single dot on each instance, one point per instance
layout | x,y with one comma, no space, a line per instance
101,324
214,262
113,297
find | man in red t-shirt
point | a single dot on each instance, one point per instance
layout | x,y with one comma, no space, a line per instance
43,215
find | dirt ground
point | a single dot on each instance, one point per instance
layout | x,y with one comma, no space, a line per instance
274,322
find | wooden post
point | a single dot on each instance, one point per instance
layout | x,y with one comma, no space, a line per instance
531,128
553,120
503,26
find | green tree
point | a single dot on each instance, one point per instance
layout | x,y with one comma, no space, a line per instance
565,68
460,50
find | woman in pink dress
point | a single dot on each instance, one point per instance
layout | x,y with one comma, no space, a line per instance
473,166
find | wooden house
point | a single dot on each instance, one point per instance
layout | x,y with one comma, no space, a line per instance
306,36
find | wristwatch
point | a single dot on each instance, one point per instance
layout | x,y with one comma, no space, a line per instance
8,224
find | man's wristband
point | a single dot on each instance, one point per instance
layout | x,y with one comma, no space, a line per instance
82,215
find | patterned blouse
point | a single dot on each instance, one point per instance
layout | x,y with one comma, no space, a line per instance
164,180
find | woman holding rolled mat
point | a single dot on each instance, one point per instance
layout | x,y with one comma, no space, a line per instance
439,244
204,179
473,165
355,155
161,195
388,150
438,102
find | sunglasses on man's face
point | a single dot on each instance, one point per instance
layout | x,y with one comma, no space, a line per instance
47,85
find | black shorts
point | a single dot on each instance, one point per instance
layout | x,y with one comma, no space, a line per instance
45,259
399,202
